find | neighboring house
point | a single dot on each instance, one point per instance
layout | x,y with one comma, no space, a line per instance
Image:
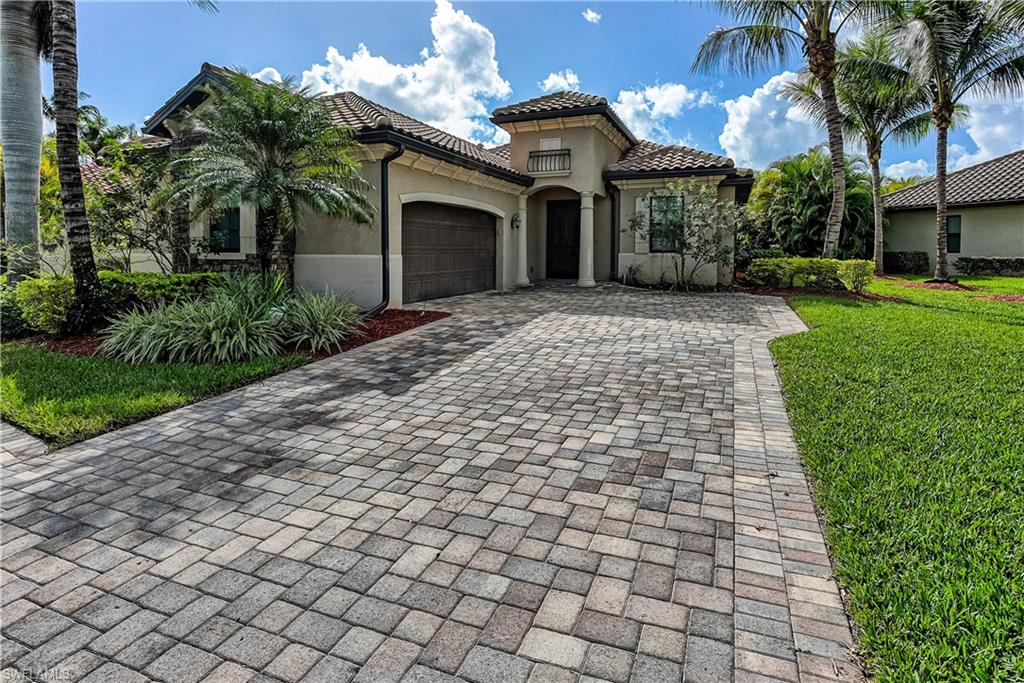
554,202
985,208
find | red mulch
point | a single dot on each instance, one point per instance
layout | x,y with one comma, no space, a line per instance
944,286
837,293
82,345
1010,298
387,324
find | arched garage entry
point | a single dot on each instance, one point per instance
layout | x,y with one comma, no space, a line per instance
446,250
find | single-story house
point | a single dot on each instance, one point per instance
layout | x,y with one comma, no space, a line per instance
985,212
555,202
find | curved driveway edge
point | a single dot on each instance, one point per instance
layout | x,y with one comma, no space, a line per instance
552,484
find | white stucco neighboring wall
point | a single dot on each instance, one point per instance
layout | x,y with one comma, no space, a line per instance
984,231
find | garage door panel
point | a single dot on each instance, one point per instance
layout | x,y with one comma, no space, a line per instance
446,250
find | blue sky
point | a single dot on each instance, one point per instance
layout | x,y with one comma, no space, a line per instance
450,64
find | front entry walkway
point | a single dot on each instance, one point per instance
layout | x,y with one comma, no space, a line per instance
551,484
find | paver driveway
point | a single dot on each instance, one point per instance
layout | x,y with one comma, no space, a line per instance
549,484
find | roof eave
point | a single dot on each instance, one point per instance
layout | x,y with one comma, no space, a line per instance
390,136
957,205
206,75
601,109
729,171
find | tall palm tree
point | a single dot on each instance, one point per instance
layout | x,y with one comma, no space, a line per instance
65,103
957,48
876,105
273,146
24,37
772,32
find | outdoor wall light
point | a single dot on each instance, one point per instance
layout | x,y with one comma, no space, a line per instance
515,221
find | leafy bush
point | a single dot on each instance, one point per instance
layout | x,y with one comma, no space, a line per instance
990,265
745,256
905,262
243,318
855,275
46,301
320,321
12,321
810,272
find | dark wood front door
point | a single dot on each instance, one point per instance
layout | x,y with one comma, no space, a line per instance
446,250
563,238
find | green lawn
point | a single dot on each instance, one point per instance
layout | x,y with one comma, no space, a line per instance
910,416
64,399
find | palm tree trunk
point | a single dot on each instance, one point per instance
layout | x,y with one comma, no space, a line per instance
181,252
833,123
65,102
266,231
876,196
21,133
941,135
288,251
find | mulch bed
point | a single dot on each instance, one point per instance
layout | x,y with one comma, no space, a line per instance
837,293
944,286
387,324
1010,298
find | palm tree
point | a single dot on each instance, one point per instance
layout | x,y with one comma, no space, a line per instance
875,104
772,31
273,146
24,37
65,104
957,48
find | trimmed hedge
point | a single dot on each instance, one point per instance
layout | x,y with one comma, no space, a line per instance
797,271
905,262
744,257
46,301
990,265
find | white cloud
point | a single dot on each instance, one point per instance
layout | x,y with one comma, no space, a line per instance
996,128
907,169
268,74
591,16
646,110
765,126
560,80
448,88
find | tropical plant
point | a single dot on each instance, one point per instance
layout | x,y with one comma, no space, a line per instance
772,32
24,37
274,146
64,34
699,226
876,106
792,198
957,48
319,322
890,185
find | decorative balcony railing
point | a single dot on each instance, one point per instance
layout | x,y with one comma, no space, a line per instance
548,161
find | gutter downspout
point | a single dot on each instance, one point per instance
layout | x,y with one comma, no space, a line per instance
613,195
385,232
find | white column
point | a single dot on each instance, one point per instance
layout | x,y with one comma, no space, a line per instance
522,269
586,240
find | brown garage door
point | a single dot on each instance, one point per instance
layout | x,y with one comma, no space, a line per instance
446,250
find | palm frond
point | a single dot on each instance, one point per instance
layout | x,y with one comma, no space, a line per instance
745,50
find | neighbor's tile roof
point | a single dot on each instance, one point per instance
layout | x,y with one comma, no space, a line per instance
503,151
98,176
997,181
353,110
648,156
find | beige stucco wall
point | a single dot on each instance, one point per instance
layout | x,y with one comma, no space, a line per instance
634,249
984,231
343,256
591,152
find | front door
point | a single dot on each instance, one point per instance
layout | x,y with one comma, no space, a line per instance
563,239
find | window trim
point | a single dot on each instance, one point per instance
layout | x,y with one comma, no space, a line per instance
959,233
651,224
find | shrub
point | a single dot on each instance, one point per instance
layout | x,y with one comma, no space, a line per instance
243,318
990,265
46,301
855,275
12,321
320,321
905,262
745,256
810,272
